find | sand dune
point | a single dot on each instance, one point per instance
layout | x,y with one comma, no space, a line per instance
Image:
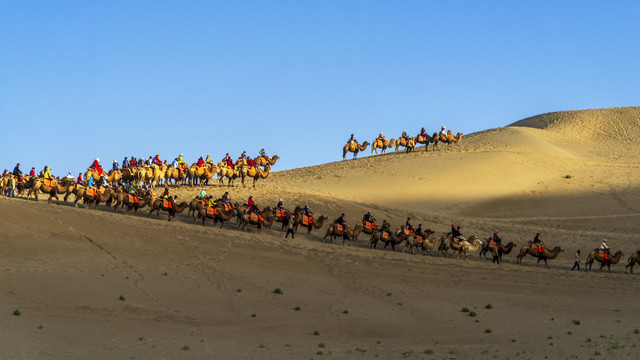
191,291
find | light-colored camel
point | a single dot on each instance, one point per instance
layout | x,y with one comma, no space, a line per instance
534,250
253,173
52,188
382,144
426,140
633,259
113,176
450,139
486,247
467,247
378,236
265,160
426,245
224,171
594,255
158,205
347,233
446,244
409,145
179,176
354,148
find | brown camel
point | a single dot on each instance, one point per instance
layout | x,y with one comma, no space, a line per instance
103,195
51,187
354,148
129,174
286,215
382,144
220,213
158,204
177,175
633,259
247,219
385,237
122,199
347,233
414,242
265,160
596,255
534,250
225,171
409,145
488,245
426,140
315,224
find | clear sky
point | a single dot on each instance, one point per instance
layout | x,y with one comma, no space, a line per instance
108,79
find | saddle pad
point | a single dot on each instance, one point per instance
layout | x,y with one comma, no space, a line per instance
306,220
49,183
369,225
279,213
419,239
254,217
492,244
601,253
338,227
407,232
166,203
130,198
227,207
92,192
211,211
385,235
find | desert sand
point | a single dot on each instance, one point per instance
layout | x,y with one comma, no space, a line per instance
91,284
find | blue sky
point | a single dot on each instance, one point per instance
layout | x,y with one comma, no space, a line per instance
108,79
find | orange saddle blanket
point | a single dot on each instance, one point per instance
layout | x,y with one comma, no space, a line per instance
385,235
132,199
211,211
338,227
279,213
306,220
419,239
166,203
408,232
603,254
49,183
369,225
91,191
256,218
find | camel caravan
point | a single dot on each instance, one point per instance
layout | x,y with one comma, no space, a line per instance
407,143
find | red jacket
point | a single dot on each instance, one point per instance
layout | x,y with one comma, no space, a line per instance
230,163
250,162
250,203
200,162
79,179
157,160
96,164
32,172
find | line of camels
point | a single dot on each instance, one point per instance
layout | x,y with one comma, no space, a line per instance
408,144
222,213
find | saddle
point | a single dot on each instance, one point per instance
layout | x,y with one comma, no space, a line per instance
419,239
91,191
385,234
603,254
492,244
534,245
256,218
49,183
227,207
338,228
166,203
211,211
307,220
132,199
279,213
202,202
408,232
369,225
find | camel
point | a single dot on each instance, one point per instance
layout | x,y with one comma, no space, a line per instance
354,148
252,172
347,233
178,175
451,139
129,174
94,173
220,214
113,176
158,204
466,247
413,243
121,198
103,195
633,259
534,250
446,244
225,171
287,215
409,145
393,239
265,160
382,144
245,219
486,247
426,140
52,188
208,172
594,255
316,224
370,229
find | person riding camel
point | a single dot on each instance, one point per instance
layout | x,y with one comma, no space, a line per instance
536,240
115,166
263,153
46,173
368,217
496,239
157,160
386,227
179,159
308,213
251,163
79,179
226,198
125,163
207,160
280,205
242,160
443,134
104,183
456,235
133,162
408,226
211,203
381,138
423,132
418,231
69,176
96,165
32,172
250,203
90,183
227,160
16,170
200,162
405,136
340,221
352,140
605,248
203,194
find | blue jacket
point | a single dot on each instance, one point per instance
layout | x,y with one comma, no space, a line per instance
90,181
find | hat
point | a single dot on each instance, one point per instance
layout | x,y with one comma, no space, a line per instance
369,212
280,200
33,168
408,218
342,214
97,159
453,224
443,126
495,232
605,240
180,154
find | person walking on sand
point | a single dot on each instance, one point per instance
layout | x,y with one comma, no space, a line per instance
290,225
577,263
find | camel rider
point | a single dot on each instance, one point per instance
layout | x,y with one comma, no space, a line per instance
115,165
203,194
418,231
133,162
604,247
455,233
226,198
443,133
179,159
263,153
368,217
16,171
157,160
79,180
125,163
497,239
251,163
175,164
32,172
69,176
104,184
200,162
352,140
90,182
250,203
536,240
385,227
408,226
46,173
207,160
306,210
211,203
280,205
340,220
405,136
423,132
381,138
132,190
